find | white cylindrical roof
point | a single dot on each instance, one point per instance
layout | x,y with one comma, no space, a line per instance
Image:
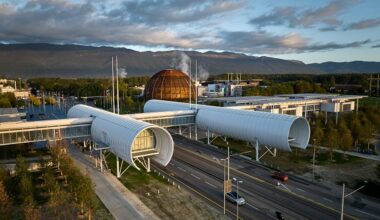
275,130
118,132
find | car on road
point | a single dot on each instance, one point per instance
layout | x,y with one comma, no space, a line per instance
235,198
279,215
280,176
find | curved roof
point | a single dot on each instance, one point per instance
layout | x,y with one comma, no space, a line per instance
276,130
170,84
119,132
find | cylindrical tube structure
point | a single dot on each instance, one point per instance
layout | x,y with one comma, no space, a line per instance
126,137
275,130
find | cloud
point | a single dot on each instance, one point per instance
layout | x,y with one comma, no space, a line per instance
364,24
376,46
262,42
69,22
306,18
178,11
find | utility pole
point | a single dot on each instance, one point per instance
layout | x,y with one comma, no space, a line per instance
344,196
113,89
117,86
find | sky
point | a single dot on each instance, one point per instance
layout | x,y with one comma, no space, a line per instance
310,31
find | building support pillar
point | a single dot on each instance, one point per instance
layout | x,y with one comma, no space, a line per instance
180,130
257,150
325,117
196,132
189,131
336,117
148,165
208,136
101,160
117,167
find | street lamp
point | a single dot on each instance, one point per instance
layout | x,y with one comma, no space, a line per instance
237,195
344,196
314,159
225,182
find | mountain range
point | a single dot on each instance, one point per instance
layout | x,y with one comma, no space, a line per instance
76,61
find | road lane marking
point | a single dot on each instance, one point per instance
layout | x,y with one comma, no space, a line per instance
180,168
300,189
252,206
195,176
327,199
265,182
211,184
375,216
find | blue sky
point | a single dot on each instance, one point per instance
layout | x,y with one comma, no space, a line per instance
308,30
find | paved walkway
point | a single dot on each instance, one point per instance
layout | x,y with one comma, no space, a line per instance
122,203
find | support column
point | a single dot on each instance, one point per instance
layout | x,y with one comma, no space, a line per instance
196,132
117,167
148,164
275,152
357,106
208,136
190,131
180,130
336,117
257,150
325,117
101,161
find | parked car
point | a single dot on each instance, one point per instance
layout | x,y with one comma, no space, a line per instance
235,198
280,176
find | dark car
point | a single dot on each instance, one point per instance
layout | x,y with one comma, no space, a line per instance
235,198
280,176
279,215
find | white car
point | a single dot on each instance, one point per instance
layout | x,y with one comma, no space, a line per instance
235,198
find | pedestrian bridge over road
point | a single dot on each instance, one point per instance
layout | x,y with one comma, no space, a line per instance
27,132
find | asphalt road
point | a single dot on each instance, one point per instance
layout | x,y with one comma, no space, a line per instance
198,165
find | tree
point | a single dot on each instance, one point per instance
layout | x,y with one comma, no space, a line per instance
331,139
21,166
5,203
317,135
30,211
26,189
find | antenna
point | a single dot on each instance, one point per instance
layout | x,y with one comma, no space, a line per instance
196,84
113,89
117,86
190,85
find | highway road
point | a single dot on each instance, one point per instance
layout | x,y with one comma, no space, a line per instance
198,166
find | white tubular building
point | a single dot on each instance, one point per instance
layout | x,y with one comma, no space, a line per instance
274,130
128,138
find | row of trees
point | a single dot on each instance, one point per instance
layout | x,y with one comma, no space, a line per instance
298,86
8,100
56,193
354,130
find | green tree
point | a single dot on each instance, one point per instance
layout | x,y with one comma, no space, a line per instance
5,203
26,189
331,139
317,135
5,103
21,166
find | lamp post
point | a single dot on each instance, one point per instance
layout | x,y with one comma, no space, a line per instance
237,195
344,196
314,159
224,177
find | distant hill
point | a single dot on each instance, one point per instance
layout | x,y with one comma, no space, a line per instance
49,60
348,67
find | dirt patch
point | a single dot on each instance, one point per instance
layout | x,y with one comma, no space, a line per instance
173,202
